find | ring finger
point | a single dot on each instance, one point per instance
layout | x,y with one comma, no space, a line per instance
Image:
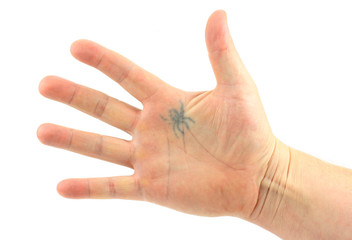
90,144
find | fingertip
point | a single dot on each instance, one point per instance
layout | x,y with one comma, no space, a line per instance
76,46
217,32
53,135
72,188
60,188
43,133
219,12
56,88
85,51
45,85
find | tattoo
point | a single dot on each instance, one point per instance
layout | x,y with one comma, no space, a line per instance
178,120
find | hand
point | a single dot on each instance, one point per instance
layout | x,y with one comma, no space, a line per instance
203,153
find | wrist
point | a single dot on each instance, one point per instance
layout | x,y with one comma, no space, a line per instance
279,192
301,196
274,185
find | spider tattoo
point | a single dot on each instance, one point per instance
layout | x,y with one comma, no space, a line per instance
178,119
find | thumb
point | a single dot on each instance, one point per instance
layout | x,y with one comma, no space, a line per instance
227,65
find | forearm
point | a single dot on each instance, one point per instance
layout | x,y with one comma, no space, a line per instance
306,198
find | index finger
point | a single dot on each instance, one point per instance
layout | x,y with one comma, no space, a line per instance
138,82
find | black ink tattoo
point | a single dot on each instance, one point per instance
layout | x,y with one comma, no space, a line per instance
178,119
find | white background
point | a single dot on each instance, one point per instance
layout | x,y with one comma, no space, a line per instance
298,52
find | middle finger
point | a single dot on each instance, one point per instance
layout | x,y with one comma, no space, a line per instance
90,101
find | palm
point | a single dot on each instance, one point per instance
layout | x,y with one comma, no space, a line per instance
201,153
204,167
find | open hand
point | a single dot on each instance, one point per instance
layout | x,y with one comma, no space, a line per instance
203,153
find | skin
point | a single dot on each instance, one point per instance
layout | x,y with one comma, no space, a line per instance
226,162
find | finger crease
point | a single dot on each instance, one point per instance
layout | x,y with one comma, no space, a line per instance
100,60
88,188
135,121
112,189
131,158
73,95
126,75
70,139
101,106
150,96
99,145
139,188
